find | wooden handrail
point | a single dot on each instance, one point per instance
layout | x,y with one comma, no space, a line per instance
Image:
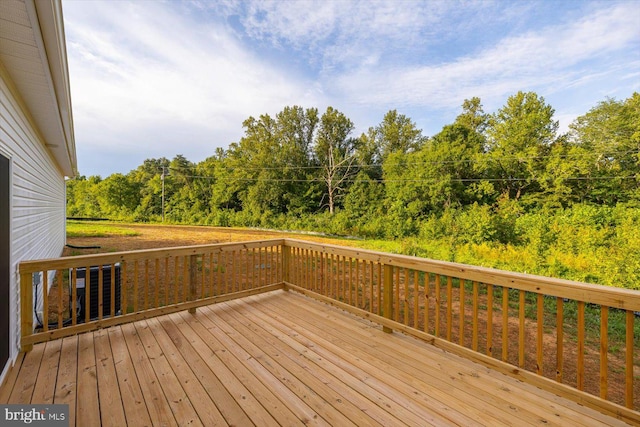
625,299
153,281
114,257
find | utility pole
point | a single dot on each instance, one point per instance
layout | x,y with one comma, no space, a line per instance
162,178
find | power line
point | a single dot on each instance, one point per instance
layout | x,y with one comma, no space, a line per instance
424,162
382,181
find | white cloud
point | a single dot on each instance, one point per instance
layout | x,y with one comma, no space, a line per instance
140,71
548,59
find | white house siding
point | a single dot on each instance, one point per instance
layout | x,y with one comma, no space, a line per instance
37,197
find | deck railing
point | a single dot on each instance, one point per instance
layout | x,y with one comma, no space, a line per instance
577,334
151,282
581,336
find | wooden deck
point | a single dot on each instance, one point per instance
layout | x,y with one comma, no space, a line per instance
274,359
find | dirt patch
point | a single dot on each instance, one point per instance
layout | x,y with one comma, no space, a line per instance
162,236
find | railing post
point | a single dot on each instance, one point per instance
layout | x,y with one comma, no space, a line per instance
193,272
286,263
387,295
26,308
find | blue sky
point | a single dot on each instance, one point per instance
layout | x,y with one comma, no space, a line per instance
154,79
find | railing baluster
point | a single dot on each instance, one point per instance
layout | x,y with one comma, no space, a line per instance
87,294
176,274
505,323
185,278
193,276
604,349
167,285
135,286
521,331
474,338
489,351
156,284
438,300
112,299
416,299
405,300
580,367
45,301
203,277
371,288
388,295
540,332
427,279
123,289
379,289
629,320
60,300
74,297
234,261
397,295
559,338
88,290
449,307
146,284
461,312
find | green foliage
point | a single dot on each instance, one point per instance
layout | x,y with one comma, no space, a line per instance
501,190
93,229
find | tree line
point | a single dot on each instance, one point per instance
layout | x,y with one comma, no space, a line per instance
502,179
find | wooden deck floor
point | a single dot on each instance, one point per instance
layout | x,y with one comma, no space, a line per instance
274,359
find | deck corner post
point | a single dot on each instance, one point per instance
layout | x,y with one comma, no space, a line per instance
26,309
193,271
286,264
387,295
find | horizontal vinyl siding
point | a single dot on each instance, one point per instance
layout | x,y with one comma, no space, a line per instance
37,199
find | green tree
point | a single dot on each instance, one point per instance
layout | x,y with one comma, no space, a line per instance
610,136
519,136
118,196
82,197
335,153
397,133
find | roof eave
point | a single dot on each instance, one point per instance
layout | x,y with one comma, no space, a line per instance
49,32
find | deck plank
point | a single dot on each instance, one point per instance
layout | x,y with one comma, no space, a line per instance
87,404
66,384
435,411
444,373
219,395
278,352
157,404
299,405
179,402
529,401
112,413
279,358
10,379
26,381
235,386
135,409
206,410
276,407
45,386
386,410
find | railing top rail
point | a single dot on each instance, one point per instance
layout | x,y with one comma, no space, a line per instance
113,257
621,298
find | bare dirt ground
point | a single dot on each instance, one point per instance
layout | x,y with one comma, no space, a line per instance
161,236
158,236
